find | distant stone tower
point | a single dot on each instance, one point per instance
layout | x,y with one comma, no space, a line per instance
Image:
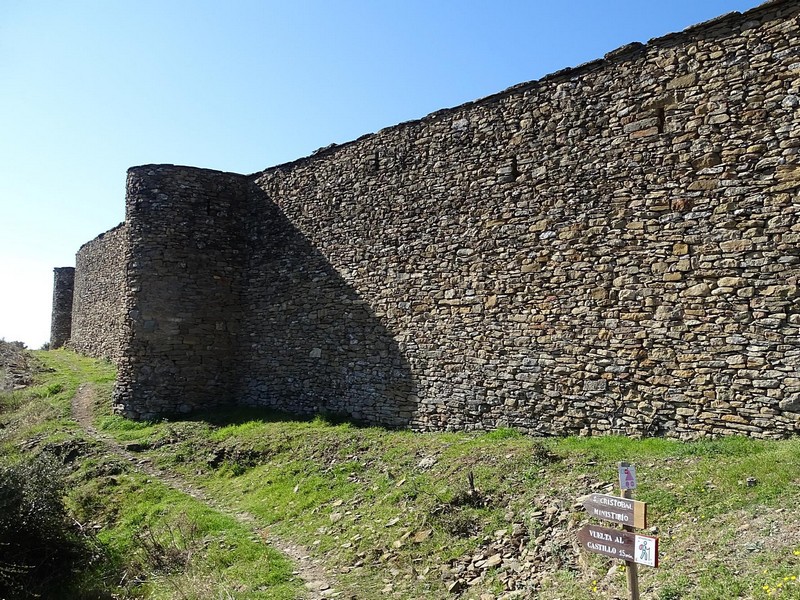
61,324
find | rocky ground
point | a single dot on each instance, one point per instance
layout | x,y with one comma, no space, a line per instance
16,366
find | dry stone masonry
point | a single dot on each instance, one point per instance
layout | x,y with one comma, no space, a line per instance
610,249
61,322
184,299
97,316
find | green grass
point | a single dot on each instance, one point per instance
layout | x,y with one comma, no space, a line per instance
357,496
151,541
169,541
335,487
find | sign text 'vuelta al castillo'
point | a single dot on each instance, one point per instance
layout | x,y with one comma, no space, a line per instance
623,545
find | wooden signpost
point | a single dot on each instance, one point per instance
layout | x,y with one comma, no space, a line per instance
622,544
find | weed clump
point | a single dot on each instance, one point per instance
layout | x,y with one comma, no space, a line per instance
168,549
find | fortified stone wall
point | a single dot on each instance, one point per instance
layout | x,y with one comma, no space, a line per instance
97,311
60,324
610,249
312,342
184,283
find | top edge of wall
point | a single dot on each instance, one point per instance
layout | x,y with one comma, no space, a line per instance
170,166
101,236
623,53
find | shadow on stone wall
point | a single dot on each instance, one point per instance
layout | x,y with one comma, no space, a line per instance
310,344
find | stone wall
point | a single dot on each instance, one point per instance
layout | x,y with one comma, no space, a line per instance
60,323
312,342
610,249
184,281
97,312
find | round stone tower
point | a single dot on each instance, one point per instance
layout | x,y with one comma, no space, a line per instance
61,323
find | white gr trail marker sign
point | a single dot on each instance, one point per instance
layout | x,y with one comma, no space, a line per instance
627,476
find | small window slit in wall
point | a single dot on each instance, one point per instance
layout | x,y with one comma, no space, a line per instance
208,206
661,119
373,162
509,172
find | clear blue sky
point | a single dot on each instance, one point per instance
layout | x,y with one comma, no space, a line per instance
89,88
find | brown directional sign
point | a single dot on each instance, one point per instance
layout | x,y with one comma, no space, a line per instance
624,545
619,510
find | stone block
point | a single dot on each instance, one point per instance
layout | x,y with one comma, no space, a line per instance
684,81
697,291
742,245
790,404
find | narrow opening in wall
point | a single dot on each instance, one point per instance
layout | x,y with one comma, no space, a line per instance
509,172
374,162
661,118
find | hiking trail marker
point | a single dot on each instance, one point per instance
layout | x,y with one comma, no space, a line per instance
622,544
627,476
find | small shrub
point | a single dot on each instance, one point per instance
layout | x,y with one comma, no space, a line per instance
458,523
49,390
231,468
37,541
504,433
670,592
168,549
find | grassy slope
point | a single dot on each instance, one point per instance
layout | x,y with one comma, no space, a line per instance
355,494
392,513
151,541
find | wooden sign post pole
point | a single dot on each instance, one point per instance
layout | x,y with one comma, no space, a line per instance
631,569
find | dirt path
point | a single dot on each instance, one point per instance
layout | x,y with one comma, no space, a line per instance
318,583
